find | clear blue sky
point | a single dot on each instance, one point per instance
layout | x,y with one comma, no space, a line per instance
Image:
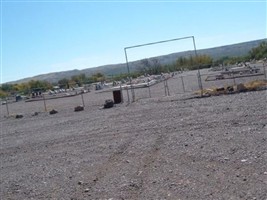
39,37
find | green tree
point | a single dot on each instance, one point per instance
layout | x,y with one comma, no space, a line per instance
64,83
98,77
259,52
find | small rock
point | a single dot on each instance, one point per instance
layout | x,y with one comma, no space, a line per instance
78,108
265,173
80,183
35,114
240,88
244,160
109,103
230,89
86,190
19,116
52,112
96,179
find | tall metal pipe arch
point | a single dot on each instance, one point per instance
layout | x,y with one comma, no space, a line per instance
158,42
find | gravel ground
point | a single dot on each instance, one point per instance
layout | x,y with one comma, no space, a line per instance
156,148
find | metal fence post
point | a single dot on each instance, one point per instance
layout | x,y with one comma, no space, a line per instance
149,92
166,88
128,94
82,99
44,103
183,83
264,70
121,93
234,79
7,107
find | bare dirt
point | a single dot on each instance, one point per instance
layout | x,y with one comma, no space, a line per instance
156,148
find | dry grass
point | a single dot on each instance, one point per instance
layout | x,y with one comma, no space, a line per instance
255,85
249,86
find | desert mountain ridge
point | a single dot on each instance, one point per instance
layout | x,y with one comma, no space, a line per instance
239,49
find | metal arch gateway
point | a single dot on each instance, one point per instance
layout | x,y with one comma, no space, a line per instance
158,42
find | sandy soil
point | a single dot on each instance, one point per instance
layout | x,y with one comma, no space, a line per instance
156,148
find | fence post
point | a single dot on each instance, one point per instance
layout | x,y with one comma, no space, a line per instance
82,99
234,79
167,92
264,70
165,87
149,92
128,94
183,83
133,93
7,107
121,93
44,102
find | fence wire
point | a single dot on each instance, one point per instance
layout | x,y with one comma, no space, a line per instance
180,83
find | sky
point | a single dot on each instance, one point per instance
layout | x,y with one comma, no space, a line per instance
39,37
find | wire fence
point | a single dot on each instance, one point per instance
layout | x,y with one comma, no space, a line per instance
178,84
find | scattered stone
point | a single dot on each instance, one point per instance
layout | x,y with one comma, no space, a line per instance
35,114
78,108
52,112
109,103
96,179
240,88
230,89
86,190
19,116
220,89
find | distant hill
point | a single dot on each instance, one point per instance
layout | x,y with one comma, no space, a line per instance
239,49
